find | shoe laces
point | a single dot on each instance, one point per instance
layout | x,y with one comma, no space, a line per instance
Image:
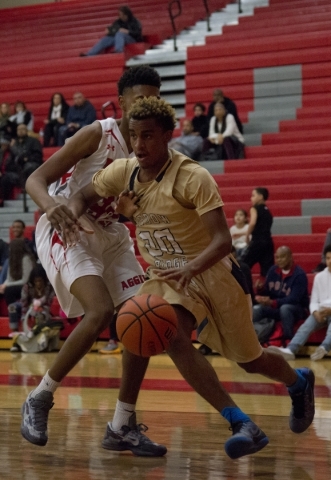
40,411
136,433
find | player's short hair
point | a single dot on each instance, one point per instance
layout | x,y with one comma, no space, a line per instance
327,249
140,75
262,191
156,108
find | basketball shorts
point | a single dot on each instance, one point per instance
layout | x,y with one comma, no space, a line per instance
219,301
105,253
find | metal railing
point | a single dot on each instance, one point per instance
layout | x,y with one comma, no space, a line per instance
240,10
105,106
205,2
172,18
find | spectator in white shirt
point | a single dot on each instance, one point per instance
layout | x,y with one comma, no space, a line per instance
224,134
239,231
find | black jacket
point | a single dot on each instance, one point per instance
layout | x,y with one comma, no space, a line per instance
132,25
29,148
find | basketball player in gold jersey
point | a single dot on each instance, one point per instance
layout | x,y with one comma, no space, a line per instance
182,233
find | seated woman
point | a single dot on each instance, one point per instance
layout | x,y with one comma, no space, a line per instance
6,128
224,136
21,262
38,293
200,121
22,115
57,116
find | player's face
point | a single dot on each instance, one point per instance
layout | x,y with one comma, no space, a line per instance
328,260
131,95
149,142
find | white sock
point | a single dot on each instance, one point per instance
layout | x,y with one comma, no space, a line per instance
47,383
123,412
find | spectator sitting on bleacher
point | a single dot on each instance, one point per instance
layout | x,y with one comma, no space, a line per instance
238,232
285,294
126,29
57,116
200,121
188,143
4,251
224,137
320,316
9,171
17,232
229,106
37,292
22,115
21,262
260,248
6,127
27,152
80,114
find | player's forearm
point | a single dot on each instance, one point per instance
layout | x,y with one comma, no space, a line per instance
36,187
82,200
216,250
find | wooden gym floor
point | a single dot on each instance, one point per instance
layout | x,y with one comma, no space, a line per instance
177,417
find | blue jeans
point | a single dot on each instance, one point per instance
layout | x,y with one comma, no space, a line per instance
14,312
306,329
118,42
287,314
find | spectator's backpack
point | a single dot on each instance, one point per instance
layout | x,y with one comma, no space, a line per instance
264,329
40,333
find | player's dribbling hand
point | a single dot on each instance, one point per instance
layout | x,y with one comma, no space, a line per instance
126,203
183,276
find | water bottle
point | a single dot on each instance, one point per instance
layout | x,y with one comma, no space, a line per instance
41,136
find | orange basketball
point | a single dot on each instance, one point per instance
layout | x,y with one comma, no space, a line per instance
146,325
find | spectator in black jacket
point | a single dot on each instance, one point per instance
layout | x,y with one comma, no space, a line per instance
57,115
229,106
200,121
9,171
80,114
126,29
27,152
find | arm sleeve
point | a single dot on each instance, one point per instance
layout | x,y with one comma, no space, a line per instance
111,180
135,29
230,126
90,116
212,132
314,299
201,191
36,152
27,267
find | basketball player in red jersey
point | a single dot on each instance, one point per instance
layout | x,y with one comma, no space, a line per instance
182,233
88,279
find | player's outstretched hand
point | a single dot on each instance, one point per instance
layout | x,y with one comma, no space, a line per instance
183,276
65,223
126,203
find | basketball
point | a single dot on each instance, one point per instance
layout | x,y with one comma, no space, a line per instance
146,325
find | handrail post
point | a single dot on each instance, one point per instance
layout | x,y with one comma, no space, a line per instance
205,2
239,7
172,19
